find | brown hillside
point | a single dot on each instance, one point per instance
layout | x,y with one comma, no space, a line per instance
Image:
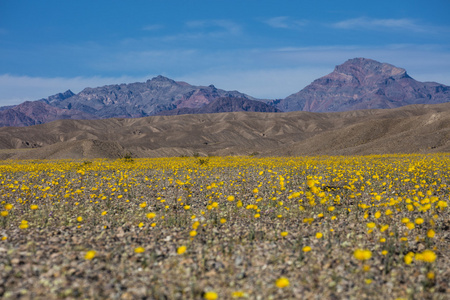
409,129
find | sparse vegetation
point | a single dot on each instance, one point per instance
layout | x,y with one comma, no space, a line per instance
128,157
203,161
373,227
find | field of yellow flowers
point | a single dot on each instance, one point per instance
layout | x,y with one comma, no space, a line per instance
362,227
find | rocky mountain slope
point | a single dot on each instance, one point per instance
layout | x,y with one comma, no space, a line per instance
362,83
225,104
117,101
143,98
37,112
409,129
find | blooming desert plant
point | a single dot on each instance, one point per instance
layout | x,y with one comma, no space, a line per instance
174,228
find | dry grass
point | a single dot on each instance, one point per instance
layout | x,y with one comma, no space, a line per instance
243,245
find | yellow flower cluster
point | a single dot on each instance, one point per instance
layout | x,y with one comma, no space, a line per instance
396,200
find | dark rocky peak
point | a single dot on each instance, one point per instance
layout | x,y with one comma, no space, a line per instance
161,78
161,82
362,83
365,69
65,95
58,97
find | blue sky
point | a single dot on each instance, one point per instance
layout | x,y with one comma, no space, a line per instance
267,49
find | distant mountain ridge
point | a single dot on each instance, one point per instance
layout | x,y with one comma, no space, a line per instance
362,83
359,83
58,97
37,112
224,104
143,99
132,100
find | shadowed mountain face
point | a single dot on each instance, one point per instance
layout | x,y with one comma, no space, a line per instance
409,129
364,84
58,97
225,104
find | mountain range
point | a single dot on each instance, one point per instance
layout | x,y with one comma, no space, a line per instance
133,100
357,84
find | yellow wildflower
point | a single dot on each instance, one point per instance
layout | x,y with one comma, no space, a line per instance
139,250
181,249
384,228
362,254
306,249
426,256
371,225
282,282
90,254
237,294
408,258
23,224
441,204
210,295
410,225
419,221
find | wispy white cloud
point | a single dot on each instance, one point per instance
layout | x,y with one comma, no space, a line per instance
278,22
383,24
144,61
285,22
223,25
191,31
153,27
